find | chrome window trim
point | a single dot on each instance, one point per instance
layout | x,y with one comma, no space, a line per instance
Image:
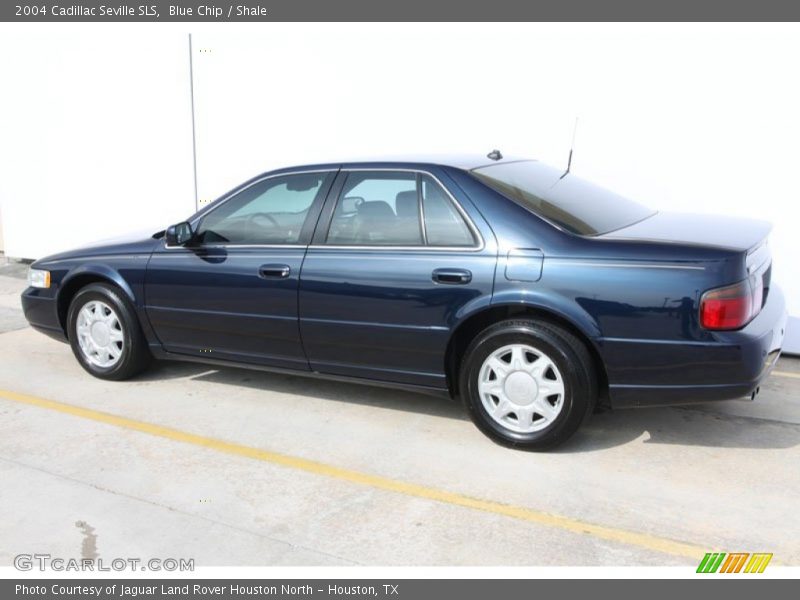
470,224
421,208
223,246
421,249
424,248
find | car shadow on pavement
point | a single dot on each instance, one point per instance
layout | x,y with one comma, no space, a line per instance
694,425
697,425
352,393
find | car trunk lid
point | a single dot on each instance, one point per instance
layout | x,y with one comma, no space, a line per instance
733,233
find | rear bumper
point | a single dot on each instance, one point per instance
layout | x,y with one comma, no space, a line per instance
41,312
732,365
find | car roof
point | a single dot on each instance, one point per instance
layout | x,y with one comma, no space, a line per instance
464,162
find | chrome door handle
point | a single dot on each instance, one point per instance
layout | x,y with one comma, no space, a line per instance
452,276
274,271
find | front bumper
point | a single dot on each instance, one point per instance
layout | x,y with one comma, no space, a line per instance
41,311
733,365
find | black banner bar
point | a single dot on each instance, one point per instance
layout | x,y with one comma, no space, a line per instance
397,10
387,589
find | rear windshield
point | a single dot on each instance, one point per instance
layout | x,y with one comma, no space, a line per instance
570,203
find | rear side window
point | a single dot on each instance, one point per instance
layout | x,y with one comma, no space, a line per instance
569,202
394,208
377,209
444,225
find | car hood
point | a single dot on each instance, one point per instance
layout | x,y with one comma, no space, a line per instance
730,233
133,243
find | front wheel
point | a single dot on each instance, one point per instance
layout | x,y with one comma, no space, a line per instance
528,384
104,333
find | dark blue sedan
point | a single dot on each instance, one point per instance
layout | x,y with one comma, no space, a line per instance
529,293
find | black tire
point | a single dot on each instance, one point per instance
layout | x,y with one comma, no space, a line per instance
135,356
570,356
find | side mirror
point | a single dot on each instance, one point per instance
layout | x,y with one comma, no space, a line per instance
179,235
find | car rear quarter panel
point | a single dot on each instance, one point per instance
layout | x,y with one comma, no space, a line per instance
635,301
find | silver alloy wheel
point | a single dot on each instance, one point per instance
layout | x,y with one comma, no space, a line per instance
521,388
100,334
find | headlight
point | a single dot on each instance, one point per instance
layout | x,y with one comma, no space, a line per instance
38,278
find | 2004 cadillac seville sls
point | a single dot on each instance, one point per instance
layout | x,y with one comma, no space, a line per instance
531,294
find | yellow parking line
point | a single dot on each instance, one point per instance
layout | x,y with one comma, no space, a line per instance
642,540
786,374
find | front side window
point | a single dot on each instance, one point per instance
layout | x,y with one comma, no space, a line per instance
396,209
271,211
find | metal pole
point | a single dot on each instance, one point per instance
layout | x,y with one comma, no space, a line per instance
194,135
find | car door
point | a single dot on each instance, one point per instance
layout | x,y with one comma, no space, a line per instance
396,260
231,293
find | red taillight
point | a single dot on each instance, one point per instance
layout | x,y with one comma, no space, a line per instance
729,307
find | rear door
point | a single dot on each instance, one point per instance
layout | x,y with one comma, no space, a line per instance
395,261
232,294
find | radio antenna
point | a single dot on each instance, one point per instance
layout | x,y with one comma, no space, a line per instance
571,148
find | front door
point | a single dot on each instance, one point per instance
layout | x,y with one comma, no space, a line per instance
232,292
395,262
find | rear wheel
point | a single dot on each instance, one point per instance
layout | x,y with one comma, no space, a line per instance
104,333
528,384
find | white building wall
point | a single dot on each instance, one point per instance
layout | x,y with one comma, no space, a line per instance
95,137
698,118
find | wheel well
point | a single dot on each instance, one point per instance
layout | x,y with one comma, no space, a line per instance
68,291
471,327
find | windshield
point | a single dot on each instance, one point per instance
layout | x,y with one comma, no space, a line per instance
571,203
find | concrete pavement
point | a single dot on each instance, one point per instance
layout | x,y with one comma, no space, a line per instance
724,476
